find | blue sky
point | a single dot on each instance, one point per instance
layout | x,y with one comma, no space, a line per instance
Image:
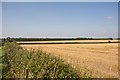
0,19
60,19
59,0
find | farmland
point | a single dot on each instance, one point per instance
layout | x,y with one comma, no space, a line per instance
99,59
70,41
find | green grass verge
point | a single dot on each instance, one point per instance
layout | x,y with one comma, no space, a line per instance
0,62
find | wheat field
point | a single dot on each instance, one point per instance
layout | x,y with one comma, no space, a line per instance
101,60
67,41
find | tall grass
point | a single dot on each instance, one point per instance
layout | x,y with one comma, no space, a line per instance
0,62
21,63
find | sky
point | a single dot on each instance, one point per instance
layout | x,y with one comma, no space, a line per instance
59,19
59,0
0,19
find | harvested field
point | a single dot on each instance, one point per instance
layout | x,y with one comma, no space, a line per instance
100,59
68,41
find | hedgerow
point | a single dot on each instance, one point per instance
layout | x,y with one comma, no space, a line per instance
21,63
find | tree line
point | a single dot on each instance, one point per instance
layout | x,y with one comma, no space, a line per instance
51,39
8,39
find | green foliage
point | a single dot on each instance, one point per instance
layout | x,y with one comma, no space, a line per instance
0,62
51,39
21,63
4,40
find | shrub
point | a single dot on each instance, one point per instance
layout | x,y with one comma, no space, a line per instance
21,63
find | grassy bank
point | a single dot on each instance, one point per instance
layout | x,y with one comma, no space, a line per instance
20,63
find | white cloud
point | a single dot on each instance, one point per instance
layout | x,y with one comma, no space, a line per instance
109,17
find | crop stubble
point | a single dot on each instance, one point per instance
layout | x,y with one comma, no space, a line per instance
100,59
